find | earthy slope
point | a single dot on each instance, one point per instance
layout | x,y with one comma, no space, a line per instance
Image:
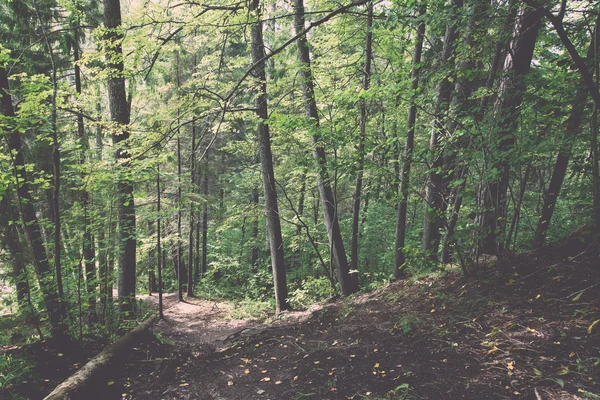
521,329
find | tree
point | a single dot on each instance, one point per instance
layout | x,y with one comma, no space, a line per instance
492,199
409,146
46,276
120,111
435,202
328,202
266,160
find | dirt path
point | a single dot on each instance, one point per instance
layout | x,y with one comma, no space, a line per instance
199,322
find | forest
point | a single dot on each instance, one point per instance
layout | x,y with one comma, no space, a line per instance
266,157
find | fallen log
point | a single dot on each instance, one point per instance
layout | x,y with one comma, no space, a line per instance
74,387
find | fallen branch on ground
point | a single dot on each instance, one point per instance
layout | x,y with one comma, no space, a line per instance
73,387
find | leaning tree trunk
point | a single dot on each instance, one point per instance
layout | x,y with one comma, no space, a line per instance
560,166
492,198
564,154
409,146
361,150
45,274
266,158
435,205
328,203
119,112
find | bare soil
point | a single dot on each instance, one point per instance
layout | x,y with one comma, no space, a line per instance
522,328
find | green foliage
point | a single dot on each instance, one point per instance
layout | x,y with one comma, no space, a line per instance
13,370
311,290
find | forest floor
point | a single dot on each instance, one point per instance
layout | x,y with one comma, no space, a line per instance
523,328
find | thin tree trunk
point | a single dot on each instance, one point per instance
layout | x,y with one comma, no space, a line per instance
255,229
204,266
361,149
264,144
190,282
119,112
159,253
181,274
12,244
88,243
594,143
399,254
328,203
560,166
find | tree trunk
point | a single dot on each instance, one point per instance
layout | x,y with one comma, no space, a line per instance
181,272
564,153
492,199
435,205
460,103
12,244
328,202
88,243
159,252
190,280
399,254
361,150
204,266
119,112
46,277
264,144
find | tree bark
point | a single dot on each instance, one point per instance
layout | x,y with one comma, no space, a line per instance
328,203
12,244
435,205
75,386
45,274
88,243
119,112
564,153
409,146
159,252
264,144
361,151
204,266
492,199
460,103
190,280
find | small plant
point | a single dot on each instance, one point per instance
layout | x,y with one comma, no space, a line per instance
13,369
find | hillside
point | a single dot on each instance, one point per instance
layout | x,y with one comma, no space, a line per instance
525,328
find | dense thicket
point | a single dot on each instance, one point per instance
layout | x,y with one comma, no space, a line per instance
187,146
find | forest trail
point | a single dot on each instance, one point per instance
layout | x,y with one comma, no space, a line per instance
197,321
203,322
